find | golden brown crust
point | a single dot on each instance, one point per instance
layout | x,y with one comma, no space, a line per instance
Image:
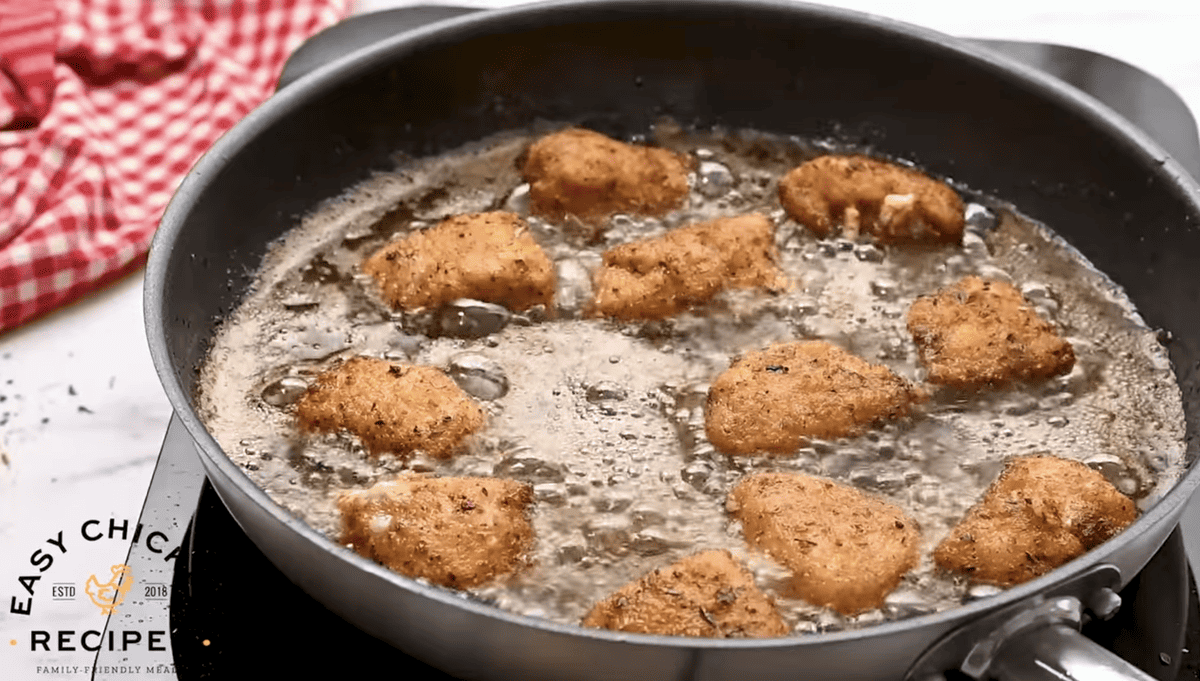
589,176
865,195
846,550
660,277
707,594
457,532
485,256
773,400
1042,512
977,333
391,407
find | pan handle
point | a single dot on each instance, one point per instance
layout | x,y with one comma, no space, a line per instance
1059,652
1036,639
1044,644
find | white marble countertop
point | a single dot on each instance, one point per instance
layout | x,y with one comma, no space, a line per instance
81,410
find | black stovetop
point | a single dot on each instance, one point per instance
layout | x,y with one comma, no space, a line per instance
234,615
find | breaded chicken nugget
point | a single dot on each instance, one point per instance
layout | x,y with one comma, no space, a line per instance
660,277
867,196
457,532
390,407
585,174
485,256
707,594
846,550
977,333
1042,512
773,400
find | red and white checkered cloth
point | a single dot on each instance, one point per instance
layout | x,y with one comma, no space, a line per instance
104,106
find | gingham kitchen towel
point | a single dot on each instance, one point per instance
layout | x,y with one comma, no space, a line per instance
104,106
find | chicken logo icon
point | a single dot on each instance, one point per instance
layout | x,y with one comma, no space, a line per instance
108,595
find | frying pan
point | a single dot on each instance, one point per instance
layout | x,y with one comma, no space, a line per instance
617,66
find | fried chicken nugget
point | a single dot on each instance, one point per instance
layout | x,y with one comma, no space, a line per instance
846,550
706,594
457,532
773,400
587,175
1042,512
865,195
977,333
660,277
390,407
485,256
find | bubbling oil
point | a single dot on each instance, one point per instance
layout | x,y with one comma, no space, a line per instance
605,420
